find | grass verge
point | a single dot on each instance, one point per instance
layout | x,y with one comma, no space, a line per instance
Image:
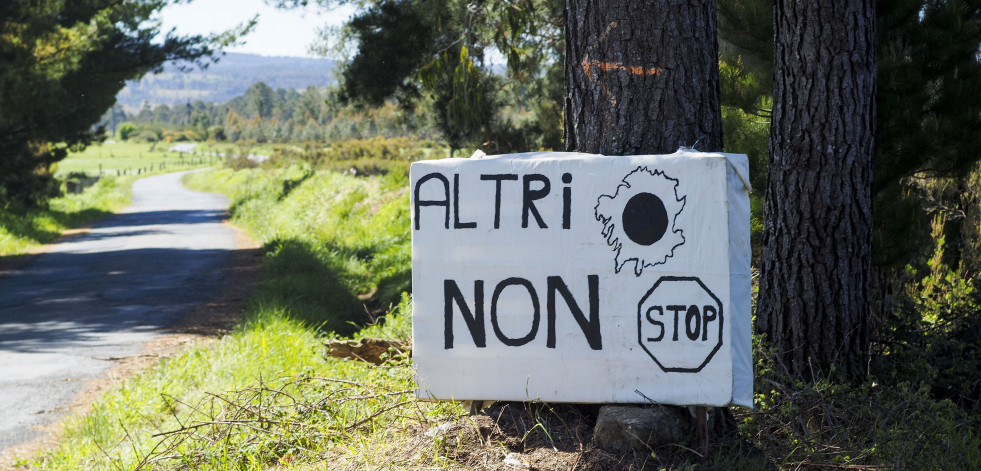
337,245
263,396
26,231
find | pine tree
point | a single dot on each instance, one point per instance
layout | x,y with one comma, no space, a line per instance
814,299
435,53
929,112
63,63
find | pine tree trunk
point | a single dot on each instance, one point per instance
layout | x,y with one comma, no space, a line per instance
815,263
642,77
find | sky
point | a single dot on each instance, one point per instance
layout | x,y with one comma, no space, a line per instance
278,33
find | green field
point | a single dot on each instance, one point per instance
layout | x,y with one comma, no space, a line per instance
134,158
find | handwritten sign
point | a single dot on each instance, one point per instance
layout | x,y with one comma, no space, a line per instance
571,277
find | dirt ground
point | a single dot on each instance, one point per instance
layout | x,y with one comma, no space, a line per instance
205,323
512,436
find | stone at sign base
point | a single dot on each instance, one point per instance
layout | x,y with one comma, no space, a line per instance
626,428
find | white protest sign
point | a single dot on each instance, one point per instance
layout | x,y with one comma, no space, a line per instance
582,278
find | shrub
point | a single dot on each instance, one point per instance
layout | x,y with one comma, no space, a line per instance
933,336
374,156
147,135
125,130
899,425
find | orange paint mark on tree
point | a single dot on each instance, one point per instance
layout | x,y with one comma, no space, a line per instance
636,70
587,66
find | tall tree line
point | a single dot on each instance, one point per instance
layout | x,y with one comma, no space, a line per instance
264,114
439,54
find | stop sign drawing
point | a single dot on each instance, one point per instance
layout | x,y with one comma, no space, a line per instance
680,324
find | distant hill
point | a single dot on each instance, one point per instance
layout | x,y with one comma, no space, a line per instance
228,78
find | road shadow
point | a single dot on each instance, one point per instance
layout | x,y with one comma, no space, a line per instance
164,217
134,272
62,298
327,286
30,226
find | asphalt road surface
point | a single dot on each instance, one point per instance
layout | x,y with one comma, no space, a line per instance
68,313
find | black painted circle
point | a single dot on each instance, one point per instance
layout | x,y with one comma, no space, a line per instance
644,219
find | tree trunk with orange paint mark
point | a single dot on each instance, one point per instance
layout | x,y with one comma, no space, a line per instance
642,77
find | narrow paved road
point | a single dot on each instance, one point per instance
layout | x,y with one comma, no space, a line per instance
94,298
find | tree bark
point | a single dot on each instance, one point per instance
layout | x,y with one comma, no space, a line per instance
813,304
642,77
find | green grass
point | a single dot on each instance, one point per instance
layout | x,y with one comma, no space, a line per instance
262,396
